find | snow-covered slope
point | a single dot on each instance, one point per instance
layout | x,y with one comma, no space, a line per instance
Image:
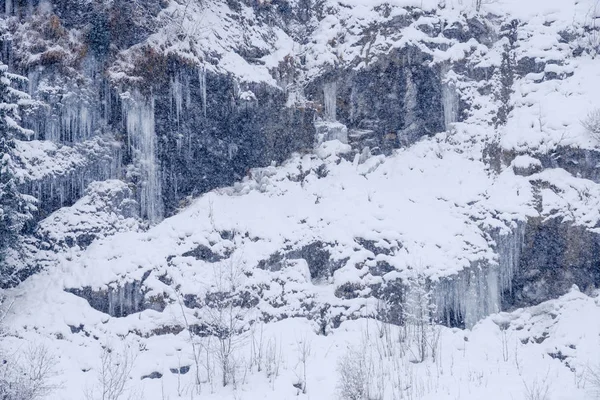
388,258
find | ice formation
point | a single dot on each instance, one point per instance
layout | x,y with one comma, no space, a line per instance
177,96
410,104
331,131
329,95
450,97
202,80
126,299
141,138
476,292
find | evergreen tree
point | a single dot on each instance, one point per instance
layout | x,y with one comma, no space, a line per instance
15,207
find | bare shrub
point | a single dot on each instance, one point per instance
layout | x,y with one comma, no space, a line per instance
224,315
591,123
113,376
24,375
537,389
303,347
28,376
593,379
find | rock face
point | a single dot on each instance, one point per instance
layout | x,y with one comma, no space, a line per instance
555,256
398,98
137,110
107,208
120,299
175,122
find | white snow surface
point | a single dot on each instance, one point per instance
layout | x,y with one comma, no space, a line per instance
432,205
502,357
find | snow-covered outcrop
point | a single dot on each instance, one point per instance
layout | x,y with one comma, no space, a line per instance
321,168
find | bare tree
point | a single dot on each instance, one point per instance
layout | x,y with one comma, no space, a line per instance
196,349
224,314
418,317
29,375
113,375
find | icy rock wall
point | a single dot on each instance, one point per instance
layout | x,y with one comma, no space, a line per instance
555,256
117,300
211,128
398,98
74,113
474,293
471,295
141,139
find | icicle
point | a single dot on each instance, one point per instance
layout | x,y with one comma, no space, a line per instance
450,98
330,100
177,95
352,104
410,107
8,7
471,295
139,117
508,247
202,80
476,292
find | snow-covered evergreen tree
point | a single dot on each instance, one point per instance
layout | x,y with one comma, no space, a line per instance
15,207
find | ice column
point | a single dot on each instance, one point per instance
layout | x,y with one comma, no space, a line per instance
330,95
508,248
449,97
139,120
410,105
177,96
476,292
202,80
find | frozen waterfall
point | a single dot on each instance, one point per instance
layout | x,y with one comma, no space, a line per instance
476,292
141,138
508,248
330,98
450,99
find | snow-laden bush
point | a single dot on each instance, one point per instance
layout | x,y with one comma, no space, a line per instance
591,123
352,379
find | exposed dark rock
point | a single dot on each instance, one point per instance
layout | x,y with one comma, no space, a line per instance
318,258
204,253
181,370
583,163
77,329
372,246
120,300
348,290
393,294
153,375
167,330
274,263
380,97
555,256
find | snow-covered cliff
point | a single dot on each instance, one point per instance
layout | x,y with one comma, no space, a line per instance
217,177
